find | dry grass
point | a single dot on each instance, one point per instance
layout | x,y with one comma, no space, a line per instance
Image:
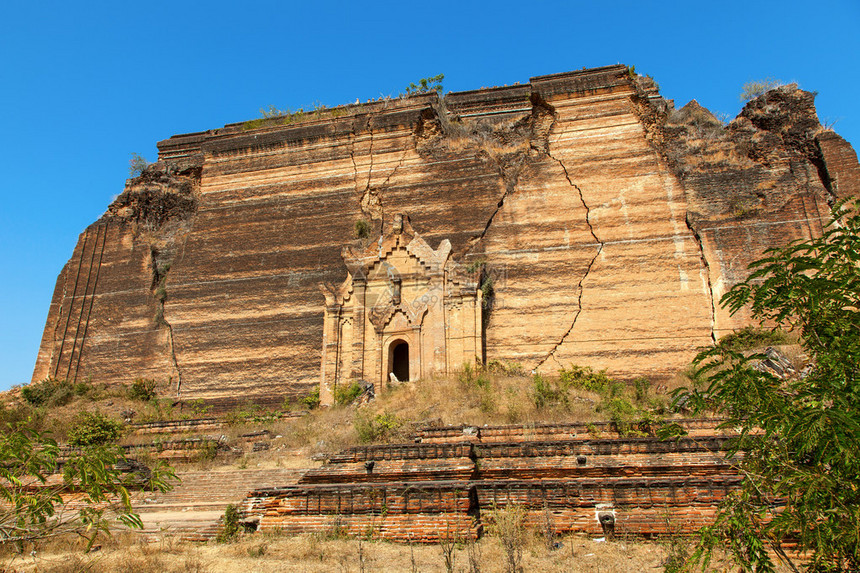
438,401
307,553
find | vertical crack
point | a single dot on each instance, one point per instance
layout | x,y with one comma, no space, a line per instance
369,154
384,184
160,269
551,353
707,269
352,138
371,204
477,239
172,348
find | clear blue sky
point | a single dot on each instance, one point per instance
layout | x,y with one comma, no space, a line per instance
85,85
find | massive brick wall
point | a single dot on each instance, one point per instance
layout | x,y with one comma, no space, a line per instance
609,221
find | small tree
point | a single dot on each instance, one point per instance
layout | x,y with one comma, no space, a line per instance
800,437
137,165
424,85
34,507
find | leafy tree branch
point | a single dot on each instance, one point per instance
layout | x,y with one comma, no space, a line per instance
798,442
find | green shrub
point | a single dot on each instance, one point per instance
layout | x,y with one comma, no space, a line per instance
751,337
158,410
253,123
585,378
229,525
376,428
473,377
620,412
361,229
272,112
506,368
466,374
544,393
312,400
243,413
142,389
344,395
476,265
487,288
486,400
94,429
641,386
48,392
424,85
209,451
16,413
83,388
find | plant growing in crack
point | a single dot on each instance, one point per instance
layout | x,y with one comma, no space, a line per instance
361,230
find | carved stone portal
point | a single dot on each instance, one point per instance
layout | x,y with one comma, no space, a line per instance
404,312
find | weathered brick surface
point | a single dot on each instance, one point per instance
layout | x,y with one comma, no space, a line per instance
420,491
420,511
640,506
544,431
610,223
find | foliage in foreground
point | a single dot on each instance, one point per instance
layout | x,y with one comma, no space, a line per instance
800,437
36,505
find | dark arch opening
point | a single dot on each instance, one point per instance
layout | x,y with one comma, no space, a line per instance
399,362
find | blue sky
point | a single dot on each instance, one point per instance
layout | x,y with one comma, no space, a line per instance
85,85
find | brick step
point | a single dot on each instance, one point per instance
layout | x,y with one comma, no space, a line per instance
565,459
417,510
519,468
191,533
193,504
528,448
461,468
193,425
215,488
537,432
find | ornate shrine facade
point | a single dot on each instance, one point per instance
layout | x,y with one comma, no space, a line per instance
404,312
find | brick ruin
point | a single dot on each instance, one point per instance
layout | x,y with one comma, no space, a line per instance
609,222
576,219
567,478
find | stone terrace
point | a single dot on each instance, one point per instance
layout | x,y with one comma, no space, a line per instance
448,483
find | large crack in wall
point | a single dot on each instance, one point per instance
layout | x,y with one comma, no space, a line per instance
371,200
579,286
707,269
508,144
161,204
761,172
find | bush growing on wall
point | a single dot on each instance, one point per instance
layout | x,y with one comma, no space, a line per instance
142,389
48,392
344,394
94,428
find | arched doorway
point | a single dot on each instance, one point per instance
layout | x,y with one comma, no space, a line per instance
398,360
